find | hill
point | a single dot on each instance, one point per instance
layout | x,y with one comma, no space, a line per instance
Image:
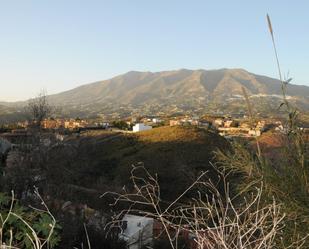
95,163
72,175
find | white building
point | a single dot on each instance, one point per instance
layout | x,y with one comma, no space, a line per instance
137,231
156,120
141,127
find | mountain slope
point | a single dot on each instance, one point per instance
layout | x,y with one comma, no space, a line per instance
180,89
177,91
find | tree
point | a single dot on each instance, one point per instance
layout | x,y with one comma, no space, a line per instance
38,109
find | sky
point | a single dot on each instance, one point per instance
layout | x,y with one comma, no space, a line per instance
57,45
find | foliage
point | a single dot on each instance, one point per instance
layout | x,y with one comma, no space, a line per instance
286,181
23,227
122,125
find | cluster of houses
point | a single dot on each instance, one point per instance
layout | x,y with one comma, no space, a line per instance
185,121
245,129
63,123
226,126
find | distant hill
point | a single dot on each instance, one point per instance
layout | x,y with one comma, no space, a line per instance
176,91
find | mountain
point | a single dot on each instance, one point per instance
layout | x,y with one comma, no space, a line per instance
142,87
179,90
176,91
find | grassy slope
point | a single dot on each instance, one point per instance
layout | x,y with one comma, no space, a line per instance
103,162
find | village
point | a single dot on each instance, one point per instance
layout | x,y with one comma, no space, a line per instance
224,125
55,131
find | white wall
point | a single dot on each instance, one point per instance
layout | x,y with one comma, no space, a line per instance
141,127
139,231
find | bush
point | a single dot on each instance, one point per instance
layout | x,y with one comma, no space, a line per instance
22,227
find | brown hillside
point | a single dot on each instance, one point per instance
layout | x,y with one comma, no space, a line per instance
103,162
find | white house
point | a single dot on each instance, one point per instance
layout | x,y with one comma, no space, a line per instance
141,127
137,231
156,120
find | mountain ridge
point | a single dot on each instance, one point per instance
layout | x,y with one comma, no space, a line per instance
219,81
182,90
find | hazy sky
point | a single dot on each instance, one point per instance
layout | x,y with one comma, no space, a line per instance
60,44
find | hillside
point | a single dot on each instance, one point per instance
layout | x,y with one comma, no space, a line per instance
74,174
103,161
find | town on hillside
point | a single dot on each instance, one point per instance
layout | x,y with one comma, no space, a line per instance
57,130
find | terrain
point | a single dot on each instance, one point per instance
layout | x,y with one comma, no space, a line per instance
74,174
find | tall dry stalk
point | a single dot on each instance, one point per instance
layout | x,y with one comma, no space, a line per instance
252,119
296,142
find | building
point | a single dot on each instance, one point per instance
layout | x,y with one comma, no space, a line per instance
139,232
228,123
205,124
74,124
156,120
141,127
218,122
184,121
175,122
49,124
254,133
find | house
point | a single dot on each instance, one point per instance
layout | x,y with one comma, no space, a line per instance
204,123
139,232
141,127
218,122
74,124
175,122
227,123
194,122
261,125
53,124
184,121
156,120
245,125
49,124
254,133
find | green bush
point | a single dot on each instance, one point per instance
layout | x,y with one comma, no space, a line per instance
21,226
